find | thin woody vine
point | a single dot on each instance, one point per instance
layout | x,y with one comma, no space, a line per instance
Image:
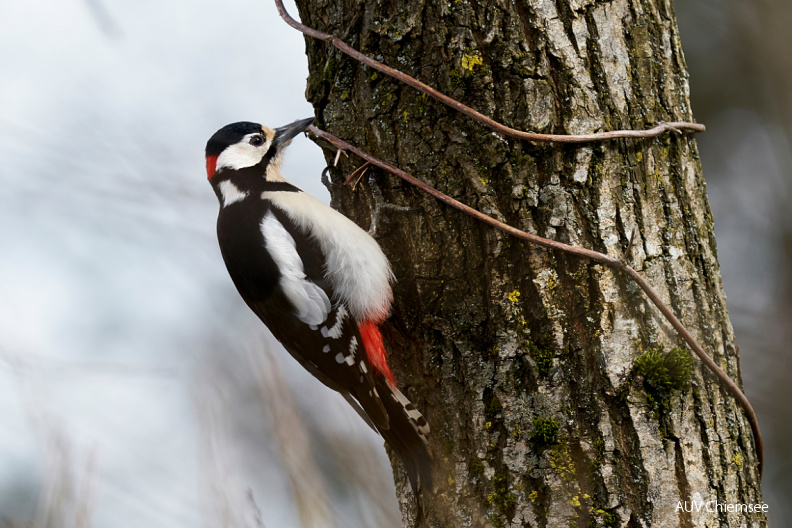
662,371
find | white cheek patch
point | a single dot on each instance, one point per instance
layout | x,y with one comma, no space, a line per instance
231,193
242,154
309,300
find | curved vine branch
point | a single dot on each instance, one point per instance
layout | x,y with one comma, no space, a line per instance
607,260
676,126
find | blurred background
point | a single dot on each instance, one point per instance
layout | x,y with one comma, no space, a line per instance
136,388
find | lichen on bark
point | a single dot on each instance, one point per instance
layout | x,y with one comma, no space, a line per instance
524,360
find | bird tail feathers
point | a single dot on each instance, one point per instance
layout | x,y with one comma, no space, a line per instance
407,435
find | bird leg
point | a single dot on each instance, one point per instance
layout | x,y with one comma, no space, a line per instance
380,204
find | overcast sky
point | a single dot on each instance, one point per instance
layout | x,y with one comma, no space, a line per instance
112,280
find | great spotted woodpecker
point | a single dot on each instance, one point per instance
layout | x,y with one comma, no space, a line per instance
319,282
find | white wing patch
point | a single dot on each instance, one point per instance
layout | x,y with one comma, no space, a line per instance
231,193
335,331
350,359
355,264
310,301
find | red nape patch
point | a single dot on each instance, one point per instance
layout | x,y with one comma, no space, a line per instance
211,166
375,350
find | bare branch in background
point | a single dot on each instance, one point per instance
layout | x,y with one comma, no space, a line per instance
106,23
360,459
293,442
251,420
64,499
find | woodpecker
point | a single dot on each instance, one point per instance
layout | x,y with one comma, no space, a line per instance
319,282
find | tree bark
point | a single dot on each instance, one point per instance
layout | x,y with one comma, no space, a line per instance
531,366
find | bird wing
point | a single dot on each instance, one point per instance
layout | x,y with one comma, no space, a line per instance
332,351
323,336
310,301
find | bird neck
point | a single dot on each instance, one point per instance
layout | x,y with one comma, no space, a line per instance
234,186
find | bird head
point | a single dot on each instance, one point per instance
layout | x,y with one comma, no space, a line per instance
246,145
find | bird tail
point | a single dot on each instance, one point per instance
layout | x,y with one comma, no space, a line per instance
407,434
405,430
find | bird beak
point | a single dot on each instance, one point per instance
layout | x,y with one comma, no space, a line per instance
284,134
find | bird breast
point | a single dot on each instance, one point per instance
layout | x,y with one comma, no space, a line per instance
355,265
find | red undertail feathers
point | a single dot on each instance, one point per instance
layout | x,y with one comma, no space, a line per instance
375,350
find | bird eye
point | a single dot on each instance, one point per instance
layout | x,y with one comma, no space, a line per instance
256,141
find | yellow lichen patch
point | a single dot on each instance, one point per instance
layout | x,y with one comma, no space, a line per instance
552,279
470,61
533,496
737,459
514,297
562,463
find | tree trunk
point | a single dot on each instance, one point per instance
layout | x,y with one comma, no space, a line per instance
542,375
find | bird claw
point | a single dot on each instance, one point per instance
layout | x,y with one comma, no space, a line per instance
380,204
326,177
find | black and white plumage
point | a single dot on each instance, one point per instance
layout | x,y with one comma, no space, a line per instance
319,282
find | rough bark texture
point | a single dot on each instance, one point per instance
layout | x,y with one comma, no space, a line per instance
524,360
